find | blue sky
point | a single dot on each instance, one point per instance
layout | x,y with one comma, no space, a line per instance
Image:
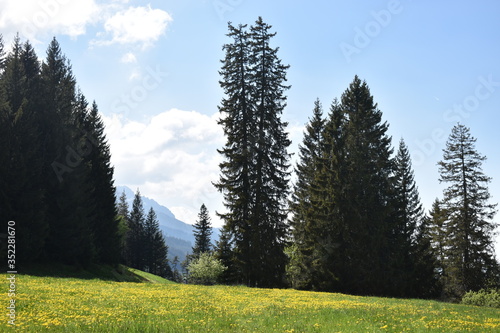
152,68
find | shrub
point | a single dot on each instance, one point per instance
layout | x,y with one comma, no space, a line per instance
205,269
490,298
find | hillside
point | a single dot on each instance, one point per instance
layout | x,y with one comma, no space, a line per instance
99,304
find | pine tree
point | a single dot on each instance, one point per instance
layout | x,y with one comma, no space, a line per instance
71,236
100,178
176,274
155,248
302,206
326,229
254,175
408,215
202,233
224,252
309,152
122,211
350,219
437,235
23,200
236,119
425,277
469,227
365,205
136,234
122,208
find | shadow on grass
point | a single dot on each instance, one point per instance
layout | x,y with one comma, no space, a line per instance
118,273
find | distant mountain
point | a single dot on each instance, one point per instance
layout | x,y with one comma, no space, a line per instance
178,235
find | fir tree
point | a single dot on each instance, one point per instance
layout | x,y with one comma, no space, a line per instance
254,175
359,208
326,228
122,208
309,152
136,234
224,252
24,197
305,219
202,233
408,215
122,211
237,113
98,156
70,238
469,227
155,248
437,235
425,279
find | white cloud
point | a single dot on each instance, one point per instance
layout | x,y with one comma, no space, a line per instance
171,157
33,18
119,23
135,25
128,58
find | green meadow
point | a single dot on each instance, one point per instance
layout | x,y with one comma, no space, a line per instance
133,301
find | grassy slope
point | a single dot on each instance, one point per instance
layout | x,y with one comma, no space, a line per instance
93,301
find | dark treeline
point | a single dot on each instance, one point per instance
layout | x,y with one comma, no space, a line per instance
358,225
356,221
56,181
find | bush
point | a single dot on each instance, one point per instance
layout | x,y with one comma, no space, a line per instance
205,269
490,298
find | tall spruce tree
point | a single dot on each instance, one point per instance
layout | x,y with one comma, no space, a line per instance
70,238
305,170
236,119
254,175
155,248
136,234
224,251
469,258
305,220
202,233
425,281
437,234
326,228
409,214
122,210
100,177
360,200
23,200
350,220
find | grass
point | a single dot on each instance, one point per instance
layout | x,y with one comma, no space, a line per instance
74,304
